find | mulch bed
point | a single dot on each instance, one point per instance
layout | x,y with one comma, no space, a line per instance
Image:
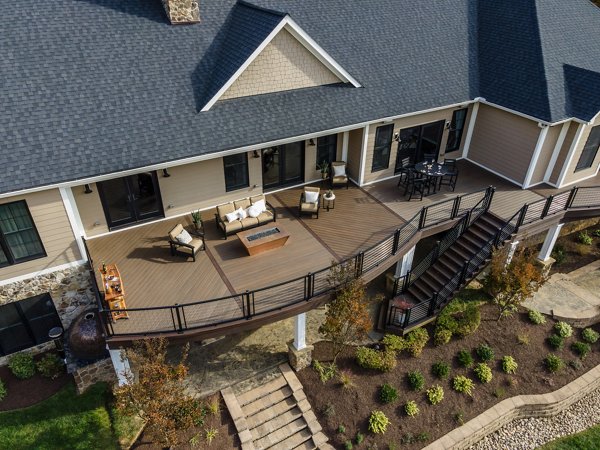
577,255
351,408
226,437
24,393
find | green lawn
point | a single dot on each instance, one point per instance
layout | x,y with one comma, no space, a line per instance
586,440
64,421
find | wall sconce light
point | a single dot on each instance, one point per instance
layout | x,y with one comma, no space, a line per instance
311,142
447,124
397,137
166,173
88,190
255,154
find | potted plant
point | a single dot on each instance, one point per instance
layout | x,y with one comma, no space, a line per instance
324,168
197,219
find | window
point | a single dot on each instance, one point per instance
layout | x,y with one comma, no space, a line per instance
327,148
19,240
588,155
236,171
383,147
26,323
456,129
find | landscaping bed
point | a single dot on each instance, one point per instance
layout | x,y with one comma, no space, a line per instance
571,251
351,408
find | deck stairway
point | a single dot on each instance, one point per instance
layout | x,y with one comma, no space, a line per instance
275,415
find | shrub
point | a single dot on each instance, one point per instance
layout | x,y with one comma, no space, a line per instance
328,410
3,391
563,329
50,366
345,379
375,359
464,358
463,384
576,364
523,339
553,363
590,336
536,317
416,380
483,372
559,254
326,371
441,370
556,342
210,434
499,392
441,337
409,438
388,393
596,233
584,238
359,438
411,408
341,429
435,394
485,352
348,445
22,365
459,317
509,365
393,342
581,349
378,422
416,340
469,321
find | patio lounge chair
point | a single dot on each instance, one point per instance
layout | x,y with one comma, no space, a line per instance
338,175
312,205
180,239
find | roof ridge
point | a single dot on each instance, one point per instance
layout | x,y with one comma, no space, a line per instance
261,8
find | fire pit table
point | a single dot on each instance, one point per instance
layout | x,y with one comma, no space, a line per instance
264,238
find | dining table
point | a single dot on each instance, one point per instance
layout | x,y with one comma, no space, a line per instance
433,170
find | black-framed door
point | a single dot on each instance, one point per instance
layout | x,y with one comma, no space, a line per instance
416,141
132,199
283,165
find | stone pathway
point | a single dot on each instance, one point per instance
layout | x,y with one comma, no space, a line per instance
274,414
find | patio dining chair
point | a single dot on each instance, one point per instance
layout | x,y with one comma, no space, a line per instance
429,157
310,201
180,239
451,177
405,167
417,184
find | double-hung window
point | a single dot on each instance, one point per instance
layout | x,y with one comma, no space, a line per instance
19,239
588,155
456,129
383,147
236,171
327,149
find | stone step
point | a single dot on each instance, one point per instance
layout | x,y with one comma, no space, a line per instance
267,401
276,423
261,391
294,440
267,414
306,445
282,434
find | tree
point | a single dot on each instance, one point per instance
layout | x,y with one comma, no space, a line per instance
510,284
347,317
157,395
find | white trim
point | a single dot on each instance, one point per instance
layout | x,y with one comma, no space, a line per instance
295,30
74,218
363,155
42,272
300,331
579,180
556,151
536,156
549,241
470,130
368,183
570,155
527,116
494,172
345,139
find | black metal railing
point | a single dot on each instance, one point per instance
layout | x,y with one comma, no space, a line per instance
246,305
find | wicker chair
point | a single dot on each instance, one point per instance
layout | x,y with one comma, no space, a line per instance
338,180
196,244
310,207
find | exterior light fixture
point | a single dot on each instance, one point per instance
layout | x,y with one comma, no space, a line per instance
166,174
88,190
311,142
255,154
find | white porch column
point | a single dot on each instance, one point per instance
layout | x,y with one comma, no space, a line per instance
405,264
121,365
549,242
470,129
70,205
345,138
300,331
363,155
511,251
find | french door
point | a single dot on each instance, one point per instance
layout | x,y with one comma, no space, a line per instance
417,141
131,199
283,165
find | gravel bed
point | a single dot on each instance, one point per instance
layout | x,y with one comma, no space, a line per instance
525,434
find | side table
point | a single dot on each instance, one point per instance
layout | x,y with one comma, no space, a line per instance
329,201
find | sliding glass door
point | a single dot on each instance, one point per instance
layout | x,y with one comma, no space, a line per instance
417,141
283,165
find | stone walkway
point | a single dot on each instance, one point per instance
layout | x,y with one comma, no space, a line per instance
275,414
574,295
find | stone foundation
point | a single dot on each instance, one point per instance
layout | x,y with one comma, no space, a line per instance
182,11
545,266
89,375
299,359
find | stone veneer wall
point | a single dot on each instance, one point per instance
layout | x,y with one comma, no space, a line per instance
70,289
91,374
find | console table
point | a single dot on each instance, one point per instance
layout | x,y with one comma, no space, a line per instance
114,292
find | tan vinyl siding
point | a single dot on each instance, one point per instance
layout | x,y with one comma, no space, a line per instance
52,223
90,210
564,151
284,64
354,152
503,142
311,173
546,154
573,176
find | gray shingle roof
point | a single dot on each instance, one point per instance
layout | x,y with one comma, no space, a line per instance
90,87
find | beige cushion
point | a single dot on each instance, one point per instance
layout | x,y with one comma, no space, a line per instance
339,170
175,232
311,197
241,213
309,207
242,203
341,179
232,227
249,222
225,209
196,243
257,198
265,217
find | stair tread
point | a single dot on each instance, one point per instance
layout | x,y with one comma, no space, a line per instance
269,413
266,401
261,391
274,439
276,423
306,445
293,441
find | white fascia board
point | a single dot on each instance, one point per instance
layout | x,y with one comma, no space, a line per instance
527,116
494,172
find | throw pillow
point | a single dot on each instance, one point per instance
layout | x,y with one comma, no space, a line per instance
232,216
261,204
339,171
311,197
254,210
184,237
241,213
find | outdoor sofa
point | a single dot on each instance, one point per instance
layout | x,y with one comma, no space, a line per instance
243,214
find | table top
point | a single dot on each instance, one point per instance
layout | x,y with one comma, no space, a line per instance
243,235
111,280
432,170
329,197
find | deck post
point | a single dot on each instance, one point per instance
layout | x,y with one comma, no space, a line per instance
549,242
299,354
300,331
121,365
511,251
405,264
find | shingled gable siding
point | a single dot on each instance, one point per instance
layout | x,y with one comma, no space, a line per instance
573,176
546,154
399,124
52,223
284,64
503,142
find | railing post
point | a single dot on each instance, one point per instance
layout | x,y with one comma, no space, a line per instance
455,207
406,317
436,252
572,196
497,237
248,306
432,303
423,218
358,263
547,206
395,289
396,241
522,216
490,195
308,286
178,315
390,315
406,282
463,274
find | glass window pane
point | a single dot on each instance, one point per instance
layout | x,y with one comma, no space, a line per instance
236,171
41,316
327,148
18,233
3,258
13,333
590,150
383,145
456,129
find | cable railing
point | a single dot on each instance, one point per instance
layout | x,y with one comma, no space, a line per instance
247,305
